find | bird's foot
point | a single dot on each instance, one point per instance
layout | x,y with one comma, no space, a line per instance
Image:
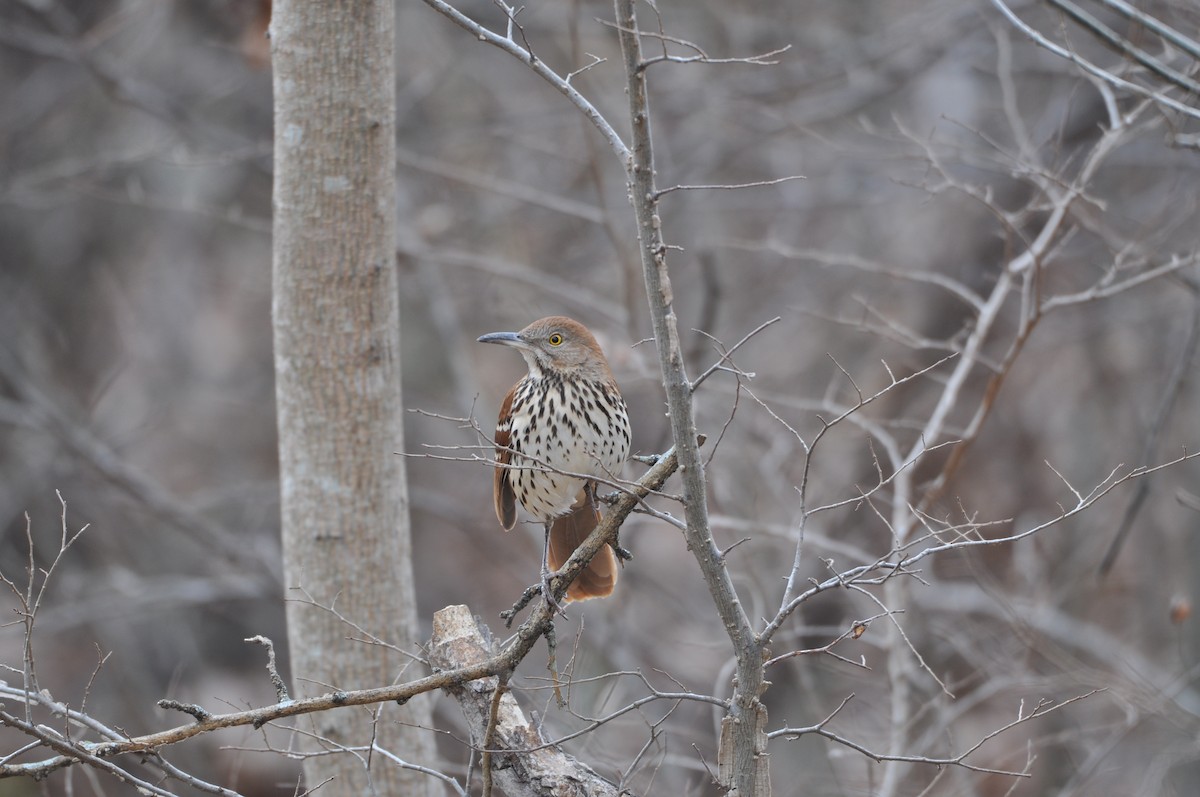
623,554
547,591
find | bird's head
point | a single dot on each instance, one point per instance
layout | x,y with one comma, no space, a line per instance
556,344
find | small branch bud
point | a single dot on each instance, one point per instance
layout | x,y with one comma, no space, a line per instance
191,709
281,692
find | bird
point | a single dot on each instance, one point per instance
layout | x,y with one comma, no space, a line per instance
561,427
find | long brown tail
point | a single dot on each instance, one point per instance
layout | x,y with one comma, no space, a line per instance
566,533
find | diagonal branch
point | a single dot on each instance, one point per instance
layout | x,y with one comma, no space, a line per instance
1122,44
537,624
540,68
1090,68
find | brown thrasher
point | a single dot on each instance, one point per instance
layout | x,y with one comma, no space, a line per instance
564,422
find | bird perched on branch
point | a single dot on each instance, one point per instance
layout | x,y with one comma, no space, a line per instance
562,426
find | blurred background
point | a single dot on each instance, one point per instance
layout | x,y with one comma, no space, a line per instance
136,372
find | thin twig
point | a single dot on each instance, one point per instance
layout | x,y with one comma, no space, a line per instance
729,186
1090,68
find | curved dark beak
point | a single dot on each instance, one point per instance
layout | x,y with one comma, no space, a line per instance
505,338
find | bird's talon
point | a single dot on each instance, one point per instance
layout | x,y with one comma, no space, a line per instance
623,554
547,591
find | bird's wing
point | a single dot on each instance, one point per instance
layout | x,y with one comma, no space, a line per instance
502,491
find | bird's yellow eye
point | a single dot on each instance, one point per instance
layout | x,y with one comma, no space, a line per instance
555,339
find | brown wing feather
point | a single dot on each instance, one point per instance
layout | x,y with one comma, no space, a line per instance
502,491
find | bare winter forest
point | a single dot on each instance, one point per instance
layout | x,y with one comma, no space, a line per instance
950,474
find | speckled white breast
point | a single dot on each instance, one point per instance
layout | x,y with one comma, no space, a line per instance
580,428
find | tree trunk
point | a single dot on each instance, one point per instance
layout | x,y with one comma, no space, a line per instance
336,316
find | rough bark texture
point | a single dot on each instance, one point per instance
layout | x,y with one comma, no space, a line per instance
743,769
336,317
460,640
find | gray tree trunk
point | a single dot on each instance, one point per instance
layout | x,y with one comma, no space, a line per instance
336,316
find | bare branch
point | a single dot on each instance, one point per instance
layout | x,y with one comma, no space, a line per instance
1123,44
729,187
460,643
1188,45
1092,69
1042,709
725,355
540,69
281,693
